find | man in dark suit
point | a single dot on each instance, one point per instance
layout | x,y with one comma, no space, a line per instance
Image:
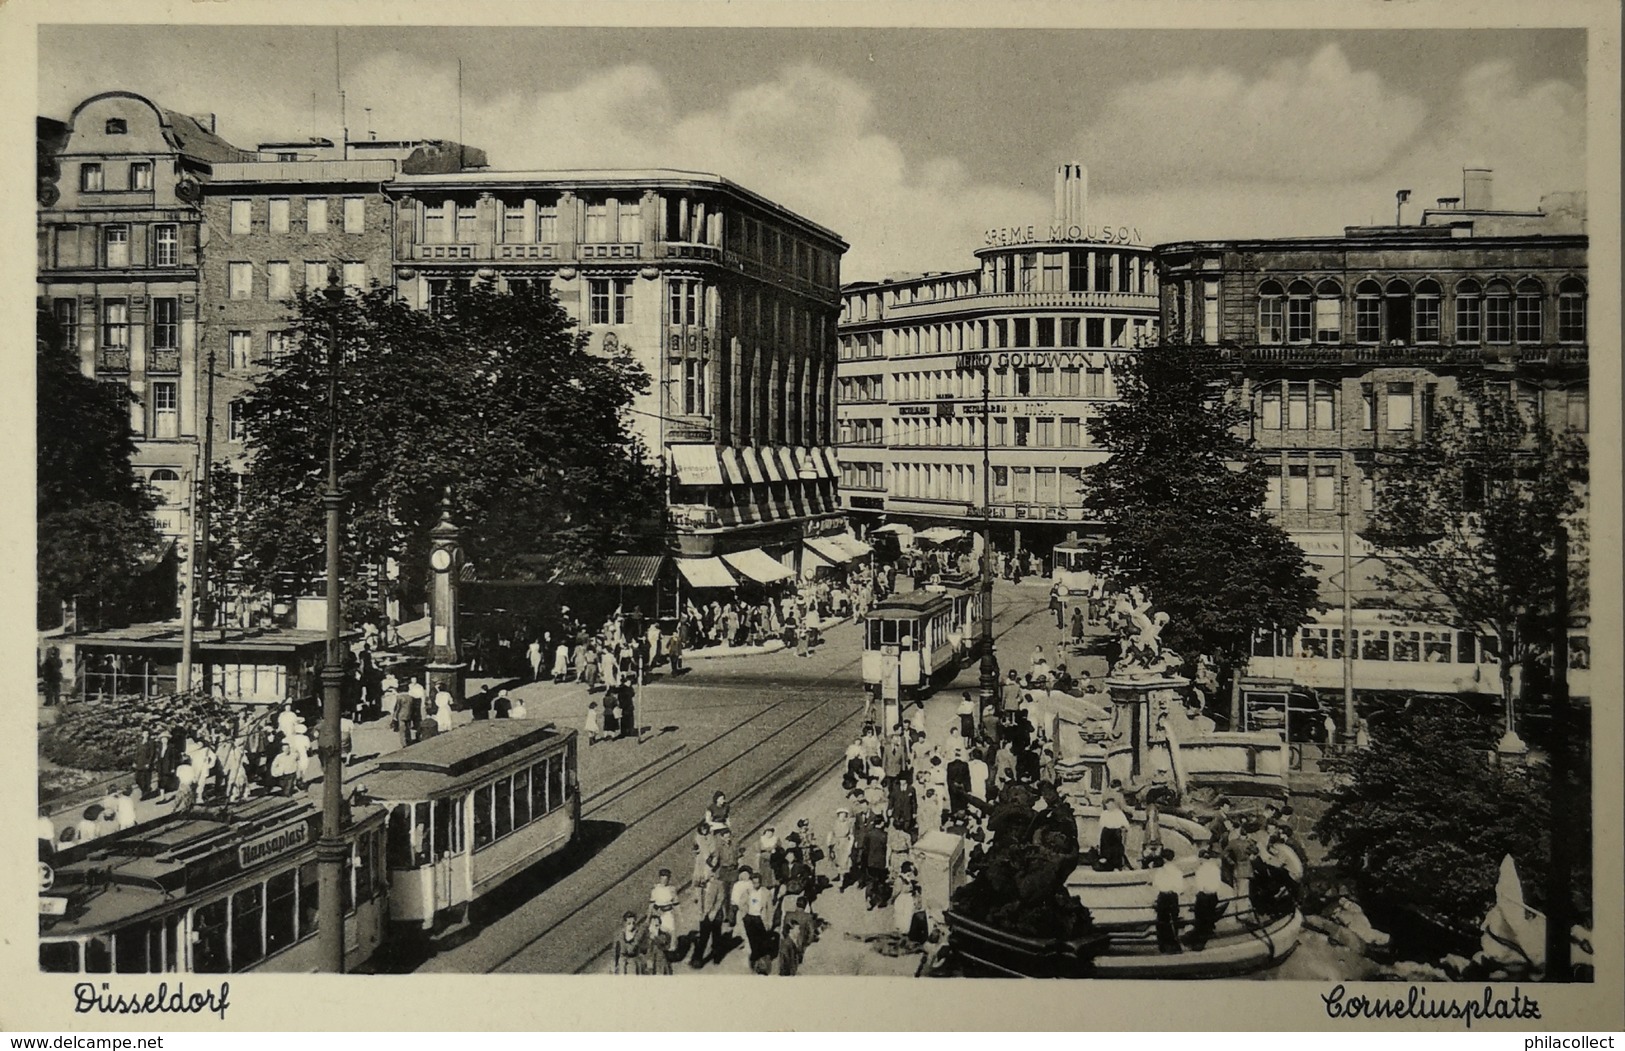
146,756
958,783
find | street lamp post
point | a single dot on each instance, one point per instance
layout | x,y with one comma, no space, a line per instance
989,681
331,850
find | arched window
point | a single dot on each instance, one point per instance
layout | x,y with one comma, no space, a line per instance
1271,313
1299,305
1368,312
1428,297
1469,312
167,484
1397,304
1328,312
1498,313
1571,311
1531,304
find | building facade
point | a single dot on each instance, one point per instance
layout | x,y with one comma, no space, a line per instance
727,299
1346,344
120,230
1056,307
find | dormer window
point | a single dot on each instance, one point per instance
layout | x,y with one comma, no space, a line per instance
117,126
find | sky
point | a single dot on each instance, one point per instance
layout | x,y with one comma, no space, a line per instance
910,143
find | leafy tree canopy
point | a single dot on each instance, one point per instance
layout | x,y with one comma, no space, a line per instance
92,513
1474,507
494,396
1181,497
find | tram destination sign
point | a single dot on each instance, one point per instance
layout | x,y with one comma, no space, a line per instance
272,844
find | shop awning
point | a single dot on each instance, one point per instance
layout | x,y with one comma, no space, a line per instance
807,465
852,545
940,535
770,464
894,527
831,462
828,550
787,463
732,469
705,573
619,571
758,565
696,465
753,466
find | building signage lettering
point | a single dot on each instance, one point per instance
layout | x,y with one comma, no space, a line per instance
915,410
272,844
998,236
1038,359
991,410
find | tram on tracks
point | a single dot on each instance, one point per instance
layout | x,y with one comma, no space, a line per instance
209,891
915,641
1077,568
470,810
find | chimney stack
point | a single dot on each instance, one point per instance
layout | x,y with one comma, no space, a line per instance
1071,191
1476,192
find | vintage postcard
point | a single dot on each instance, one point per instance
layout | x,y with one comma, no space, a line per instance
841,512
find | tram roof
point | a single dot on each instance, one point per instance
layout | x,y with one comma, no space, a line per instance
910,604
459,757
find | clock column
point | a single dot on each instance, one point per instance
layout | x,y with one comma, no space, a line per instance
445,667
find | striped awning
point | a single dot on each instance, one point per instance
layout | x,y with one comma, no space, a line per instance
809,466
787,462
705,573
732,469
696,465
753,466
827,549
770,464
758,565
831,461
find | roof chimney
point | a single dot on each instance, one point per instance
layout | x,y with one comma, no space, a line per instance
1071,191
1476,194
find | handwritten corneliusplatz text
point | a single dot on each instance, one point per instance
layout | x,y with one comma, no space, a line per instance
1417,1005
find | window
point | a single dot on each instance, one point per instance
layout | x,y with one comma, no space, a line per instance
1046,332
355,215
1498,314
1428,298
468,223
1408,645
1329,312
247,939
513,224
278,215
1044,486
1023,429
1297,406
240,349
1272,490
1044,432
1373,645
1299,313
316,215
1579,409
66,312
1325,486
1271,317
116,245
1368,313
234,421
539,803
90,178
1071,432
1531,299
694,403
239,280
115,324
117,126
1103,272
484,831
1029,272
1071,380
1070,332
140,175
1210,312
1054,271
276,280
1094,383
1401,408
521,798
309,893
1269,407
315,275
209,950
1021,485
502,801
1023,332
1468,312
687,302
241,216
1024,382
1297,485
609,300
1571,311
631,226
165,410
355,276
166,327
166,244
1077,270
1397,301
281,914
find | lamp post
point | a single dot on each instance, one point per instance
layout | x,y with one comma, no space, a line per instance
331,850
989,681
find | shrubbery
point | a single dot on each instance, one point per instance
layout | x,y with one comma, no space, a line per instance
101,735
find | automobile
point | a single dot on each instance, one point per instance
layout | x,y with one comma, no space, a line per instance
1283,706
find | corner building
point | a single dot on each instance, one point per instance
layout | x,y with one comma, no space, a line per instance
1057,306
726,298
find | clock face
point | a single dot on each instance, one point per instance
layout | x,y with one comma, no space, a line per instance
441,559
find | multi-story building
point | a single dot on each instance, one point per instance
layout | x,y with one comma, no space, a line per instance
1056,306
120,230
728,299
1347,343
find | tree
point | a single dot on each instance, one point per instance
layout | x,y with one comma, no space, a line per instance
1424,819
1474,508
492,396
1181,498
93,515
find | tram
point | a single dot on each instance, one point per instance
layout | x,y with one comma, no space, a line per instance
470,810
917,640
1077,568
209,891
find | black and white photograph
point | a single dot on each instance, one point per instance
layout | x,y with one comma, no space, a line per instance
935,501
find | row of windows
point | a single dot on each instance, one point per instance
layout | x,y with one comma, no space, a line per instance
1313,405
163,323
863,476
1038,432
1306,485
1439,646
1043,486
279,217
93,177
279,278
1034,381
1074,270
1489,313
112,246
1019,333
510,803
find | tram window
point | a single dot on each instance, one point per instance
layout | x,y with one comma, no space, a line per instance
503,796
873,635
521,798
1436,647
1312,643
1373,645
280,918
1407,646
99,954
423,845
888,632
361,865
59,957
1337,643
1466,647
538,788
210,953
1489,649
308,893
447,828
1263,644
138,949
400,836
572,781
483,834
247,936
555,781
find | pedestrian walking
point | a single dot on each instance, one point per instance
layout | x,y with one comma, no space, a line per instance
757,911
626,950
146,757
561,663
533,657
403,717
738,899
709,891
1208,883
663,904
502,705
185,785
1169,883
